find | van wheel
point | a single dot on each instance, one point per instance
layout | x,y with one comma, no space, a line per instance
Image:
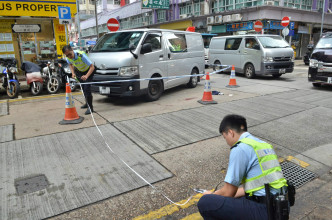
155,89
249,71
193,80
216,63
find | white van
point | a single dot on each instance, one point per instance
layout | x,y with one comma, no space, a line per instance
146,53
253,54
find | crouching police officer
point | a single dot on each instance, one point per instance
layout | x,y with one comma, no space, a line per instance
254,164
82,67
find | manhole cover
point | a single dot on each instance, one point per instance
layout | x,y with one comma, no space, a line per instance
30,184
296,174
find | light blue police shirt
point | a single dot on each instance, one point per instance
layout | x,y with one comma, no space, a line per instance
85,59
243,162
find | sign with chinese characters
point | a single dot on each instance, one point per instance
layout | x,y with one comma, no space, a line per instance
60,36
277,25
243,26
160,4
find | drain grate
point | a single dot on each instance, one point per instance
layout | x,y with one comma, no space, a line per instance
30,184
296,174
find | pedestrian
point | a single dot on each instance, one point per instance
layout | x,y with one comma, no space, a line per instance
82,68
252,163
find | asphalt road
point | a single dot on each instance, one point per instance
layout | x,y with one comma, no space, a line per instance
181,136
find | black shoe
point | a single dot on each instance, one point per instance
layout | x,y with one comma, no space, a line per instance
88,112
84,106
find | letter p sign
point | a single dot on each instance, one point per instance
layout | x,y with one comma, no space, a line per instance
64,13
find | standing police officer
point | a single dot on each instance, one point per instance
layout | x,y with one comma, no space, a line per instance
82,67
252,163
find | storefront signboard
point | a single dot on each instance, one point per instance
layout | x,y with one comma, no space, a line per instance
277,25
160,4
243,26
35,8
60,35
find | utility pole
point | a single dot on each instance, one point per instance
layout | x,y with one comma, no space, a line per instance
78,20
322,24
96,19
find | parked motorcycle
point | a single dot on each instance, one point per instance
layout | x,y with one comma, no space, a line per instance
9,78
49,73
33,76
65,74
306,57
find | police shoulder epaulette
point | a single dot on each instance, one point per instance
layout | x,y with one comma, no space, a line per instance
235,145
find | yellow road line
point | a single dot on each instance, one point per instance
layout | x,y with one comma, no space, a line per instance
195,216
40,97
169,209
297,161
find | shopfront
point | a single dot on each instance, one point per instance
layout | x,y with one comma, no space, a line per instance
36,35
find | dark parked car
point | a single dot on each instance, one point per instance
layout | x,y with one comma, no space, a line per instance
320,67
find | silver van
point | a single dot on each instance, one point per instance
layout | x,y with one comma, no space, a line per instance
146,53
253,54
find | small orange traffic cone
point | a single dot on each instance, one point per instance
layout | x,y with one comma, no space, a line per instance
232,80
71,116
207,95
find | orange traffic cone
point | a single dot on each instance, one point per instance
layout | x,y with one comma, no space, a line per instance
71,116
207,95
232,80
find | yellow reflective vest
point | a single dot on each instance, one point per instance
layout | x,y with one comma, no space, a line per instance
269,164
78,63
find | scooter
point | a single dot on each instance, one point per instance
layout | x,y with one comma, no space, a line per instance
65,74
53,82
9,79
33,76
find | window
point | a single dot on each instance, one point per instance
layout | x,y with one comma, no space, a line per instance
154,40
273,42
177,43
251,43
232,43
120,41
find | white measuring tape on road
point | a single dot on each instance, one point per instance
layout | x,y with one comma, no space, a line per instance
147,182
159,78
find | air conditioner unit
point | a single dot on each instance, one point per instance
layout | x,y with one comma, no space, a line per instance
236,17
210,20
183,16
227,18
218,19
269,2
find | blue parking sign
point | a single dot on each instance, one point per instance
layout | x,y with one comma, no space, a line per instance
291,25
64,12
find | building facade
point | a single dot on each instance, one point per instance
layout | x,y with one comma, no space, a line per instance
224,17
